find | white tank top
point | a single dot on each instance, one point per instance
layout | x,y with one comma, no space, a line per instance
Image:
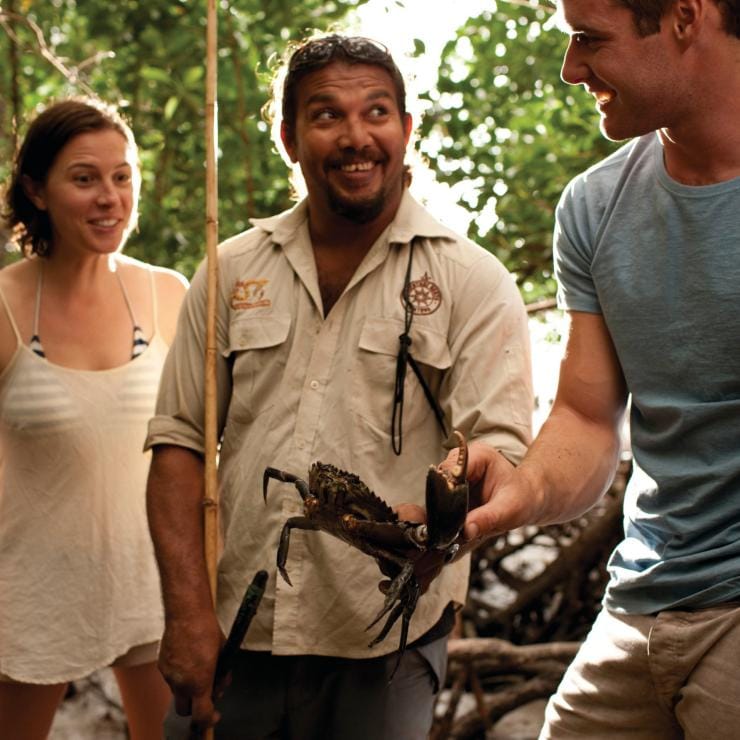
78,580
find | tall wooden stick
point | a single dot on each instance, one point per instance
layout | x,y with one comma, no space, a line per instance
210,502
211,442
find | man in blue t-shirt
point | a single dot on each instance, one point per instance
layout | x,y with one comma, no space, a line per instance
647,252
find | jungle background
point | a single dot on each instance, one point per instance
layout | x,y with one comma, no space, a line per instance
499,137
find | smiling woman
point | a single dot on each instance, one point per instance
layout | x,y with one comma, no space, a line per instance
83,336
90,192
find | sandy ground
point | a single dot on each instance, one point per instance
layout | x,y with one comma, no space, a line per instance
523,723
93,713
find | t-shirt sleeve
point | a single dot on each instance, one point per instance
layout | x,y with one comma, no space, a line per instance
573,252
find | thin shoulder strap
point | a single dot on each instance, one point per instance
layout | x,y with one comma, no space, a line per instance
10,317
152,289
153,286
140,342
37,307
126,298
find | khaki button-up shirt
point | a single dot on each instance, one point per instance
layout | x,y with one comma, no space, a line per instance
295,387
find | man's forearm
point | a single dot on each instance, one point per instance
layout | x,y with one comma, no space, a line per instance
174,508
569,466
573,459
191,640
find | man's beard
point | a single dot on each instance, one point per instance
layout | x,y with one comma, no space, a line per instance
359,212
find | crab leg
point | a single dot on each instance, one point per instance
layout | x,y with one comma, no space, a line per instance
404,609
394,593
281,475
386,534
392,618
295,522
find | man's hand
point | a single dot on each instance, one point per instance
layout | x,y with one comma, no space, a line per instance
499,502
500,496
187,660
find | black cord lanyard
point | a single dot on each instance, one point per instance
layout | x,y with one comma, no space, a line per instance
403,358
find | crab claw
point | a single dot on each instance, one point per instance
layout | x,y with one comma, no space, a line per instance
447,499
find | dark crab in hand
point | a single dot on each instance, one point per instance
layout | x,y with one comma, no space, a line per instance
339,503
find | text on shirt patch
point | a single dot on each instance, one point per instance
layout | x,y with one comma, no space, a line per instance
425,296
249,294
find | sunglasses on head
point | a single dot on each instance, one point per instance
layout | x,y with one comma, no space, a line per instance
357,48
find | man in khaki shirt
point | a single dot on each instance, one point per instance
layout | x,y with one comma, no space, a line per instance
309,319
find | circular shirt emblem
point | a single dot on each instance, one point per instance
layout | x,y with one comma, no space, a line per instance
425,296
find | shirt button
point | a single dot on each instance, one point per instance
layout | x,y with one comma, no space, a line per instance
314,384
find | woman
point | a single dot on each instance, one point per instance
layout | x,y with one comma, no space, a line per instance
83,335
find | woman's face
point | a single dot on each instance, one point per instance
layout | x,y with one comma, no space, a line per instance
90,193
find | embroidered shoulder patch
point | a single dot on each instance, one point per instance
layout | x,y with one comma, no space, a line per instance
249,294
425,296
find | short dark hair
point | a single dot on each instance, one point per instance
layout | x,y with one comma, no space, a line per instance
318,52
47,135
648,14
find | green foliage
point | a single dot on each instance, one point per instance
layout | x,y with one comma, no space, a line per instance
501,127
502,122
149,57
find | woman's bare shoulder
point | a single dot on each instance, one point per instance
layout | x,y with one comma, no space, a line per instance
164,277
18,285
17,275
171,280
170,287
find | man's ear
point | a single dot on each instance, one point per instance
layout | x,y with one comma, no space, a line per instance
408,125
685,17
286,136
34,191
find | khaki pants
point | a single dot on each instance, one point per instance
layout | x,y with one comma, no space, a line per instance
666,677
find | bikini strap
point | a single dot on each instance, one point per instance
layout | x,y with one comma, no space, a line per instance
140,343
35,344
10,317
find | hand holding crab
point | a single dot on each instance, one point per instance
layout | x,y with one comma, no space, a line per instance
339,503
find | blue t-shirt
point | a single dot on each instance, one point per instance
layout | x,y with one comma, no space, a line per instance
661,262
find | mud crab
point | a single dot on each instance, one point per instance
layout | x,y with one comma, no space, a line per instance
339,503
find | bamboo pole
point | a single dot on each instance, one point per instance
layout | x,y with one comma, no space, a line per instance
210,502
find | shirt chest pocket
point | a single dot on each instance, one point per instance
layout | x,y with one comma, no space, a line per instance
374,373
258,350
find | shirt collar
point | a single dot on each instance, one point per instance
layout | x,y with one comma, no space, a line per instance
284,225
413,220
